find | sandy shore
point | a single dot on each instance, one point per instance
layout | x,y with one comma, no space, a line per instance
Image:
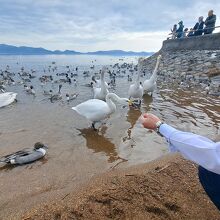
167,188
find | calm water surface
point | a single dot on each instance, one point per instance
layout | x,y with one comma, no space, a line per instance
76,152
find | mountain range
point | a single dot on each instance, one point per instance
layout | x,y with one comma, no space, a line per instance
23,50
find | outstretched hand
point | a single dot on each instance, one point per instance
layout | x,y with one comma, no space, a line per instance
149,121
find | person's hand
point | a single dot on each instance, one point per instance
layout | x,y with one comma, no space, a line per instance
149,121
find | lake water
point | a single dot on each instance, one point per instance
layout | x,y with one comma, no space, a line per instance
76,152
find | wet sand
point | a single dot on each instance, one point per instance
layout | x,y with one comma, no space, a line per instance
167,188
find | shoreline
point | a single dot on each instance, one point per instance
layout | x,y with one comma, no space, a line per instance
166,188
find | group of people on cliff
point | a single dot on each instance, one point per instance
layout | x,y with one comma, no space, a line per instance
201,27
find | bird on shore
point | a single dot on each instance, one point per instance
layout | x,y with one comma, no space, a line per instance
136,90
7,98
149,85
96,110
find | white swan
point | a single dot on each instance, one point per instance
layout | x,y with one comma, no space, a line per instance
150,84
136,90
100,93
97,82
96,110
7,98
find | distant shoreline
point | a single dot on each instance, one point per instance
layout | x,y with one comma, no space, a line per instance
73,55
23,50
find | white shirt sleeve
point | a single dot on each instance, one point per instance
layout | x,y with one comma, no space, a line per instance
197,148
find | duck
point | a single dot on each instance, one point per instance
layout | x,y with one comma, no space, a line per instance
136,90
2,88
74,82
26,155
26,88
57,96
100,93
96,110
7,98
129,78
89,85
47,93
31,91
70,97
149,85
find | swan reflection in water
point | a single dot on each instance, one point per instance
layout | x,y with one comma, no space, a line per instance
99,143
132,117
147,100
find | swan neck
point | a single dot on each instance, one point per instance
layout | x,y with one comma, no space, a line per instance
103,86
111,98
138,77
155,69
102,75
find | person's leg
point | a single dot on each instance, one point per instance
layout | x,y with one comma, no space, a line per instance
205,31
208,31
211,184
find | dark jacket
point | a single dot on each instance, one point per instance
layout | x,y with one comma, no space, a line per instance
198,28
210,24
179,31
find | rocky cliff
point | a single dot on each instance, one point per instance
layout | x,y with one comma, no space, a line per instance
200,68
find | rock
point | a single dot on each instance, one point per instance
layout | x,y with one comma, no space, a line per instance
213,72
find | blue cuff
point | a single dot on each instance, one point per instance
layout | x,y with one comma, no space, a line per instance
166,130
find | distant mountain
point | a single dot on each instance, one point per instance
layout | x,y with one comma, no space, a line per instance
13,50
120,53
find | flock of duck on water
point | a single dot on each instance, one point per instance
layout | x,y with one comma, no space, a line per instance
95,110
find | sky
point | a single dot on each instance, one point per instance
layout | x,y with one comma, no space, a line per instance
91,25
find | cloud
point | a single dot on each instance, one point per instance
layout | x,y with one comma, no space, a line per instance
96,24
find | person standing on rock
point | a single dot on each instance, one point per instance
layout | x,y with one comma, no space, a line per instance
210,23
179,31
173,31
198,149
198,28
